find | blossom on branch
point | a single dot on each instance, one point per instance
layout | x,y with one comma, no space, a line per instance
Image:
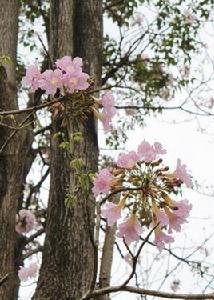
102,182
128,160
145,185
109,110
150,152
25,221
66,77
52,80
162,238
130,229
181,174
179,215
33,78
112,212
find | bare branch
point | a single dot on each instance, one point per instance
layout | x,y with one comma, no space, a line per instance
141,291
35,235
4,278
33,251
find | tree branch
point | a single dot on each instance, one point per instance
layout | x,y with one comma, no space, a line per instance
142,291
4,278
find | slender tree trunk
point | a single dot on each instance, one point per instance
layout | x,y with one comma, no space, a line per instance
107,259
68,257
13,149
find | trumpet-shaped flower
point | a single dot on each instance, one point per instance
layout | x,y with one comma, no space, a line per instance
102,182
162,238
130,229
108,110
76,81
112,212
128,160
33,78
179,215
162,218
25,221
68,65
181,174
149,153
52,80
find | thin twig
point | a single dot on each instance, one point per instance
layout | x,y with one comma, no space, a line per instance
4,278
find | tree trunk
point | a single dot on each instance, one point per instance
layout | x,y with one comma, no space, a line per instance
68,256
13,151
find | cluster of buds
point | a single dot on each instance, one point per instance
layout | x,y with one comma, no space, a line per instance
144,185
67,81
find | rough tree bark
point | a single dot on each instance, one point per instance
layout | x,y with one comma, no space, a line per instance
67,266
13,151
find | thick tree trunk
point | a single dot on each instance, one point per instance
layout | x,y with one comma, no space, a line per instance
12,151
68,256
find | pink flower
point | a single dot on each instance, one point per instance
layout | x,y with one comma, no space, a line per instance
32,78
161,238
68,65
112,212
158,148
102,182
108,110
149,153
73,77
25,221
76,81
128,160
181,174
162,218
52,80
130,229
108,100
31,271
179,215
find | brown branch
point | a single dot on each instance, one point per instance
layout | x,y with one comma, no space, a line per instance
14,132
4,278
36,188
135,257
33,251
35,235
42,130
142,291
35,108
31,108
116,191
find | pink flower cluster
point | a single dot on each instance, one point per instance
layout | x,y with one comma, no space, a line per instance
127,178
66,77
109,110
29,272
25,221
149,152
